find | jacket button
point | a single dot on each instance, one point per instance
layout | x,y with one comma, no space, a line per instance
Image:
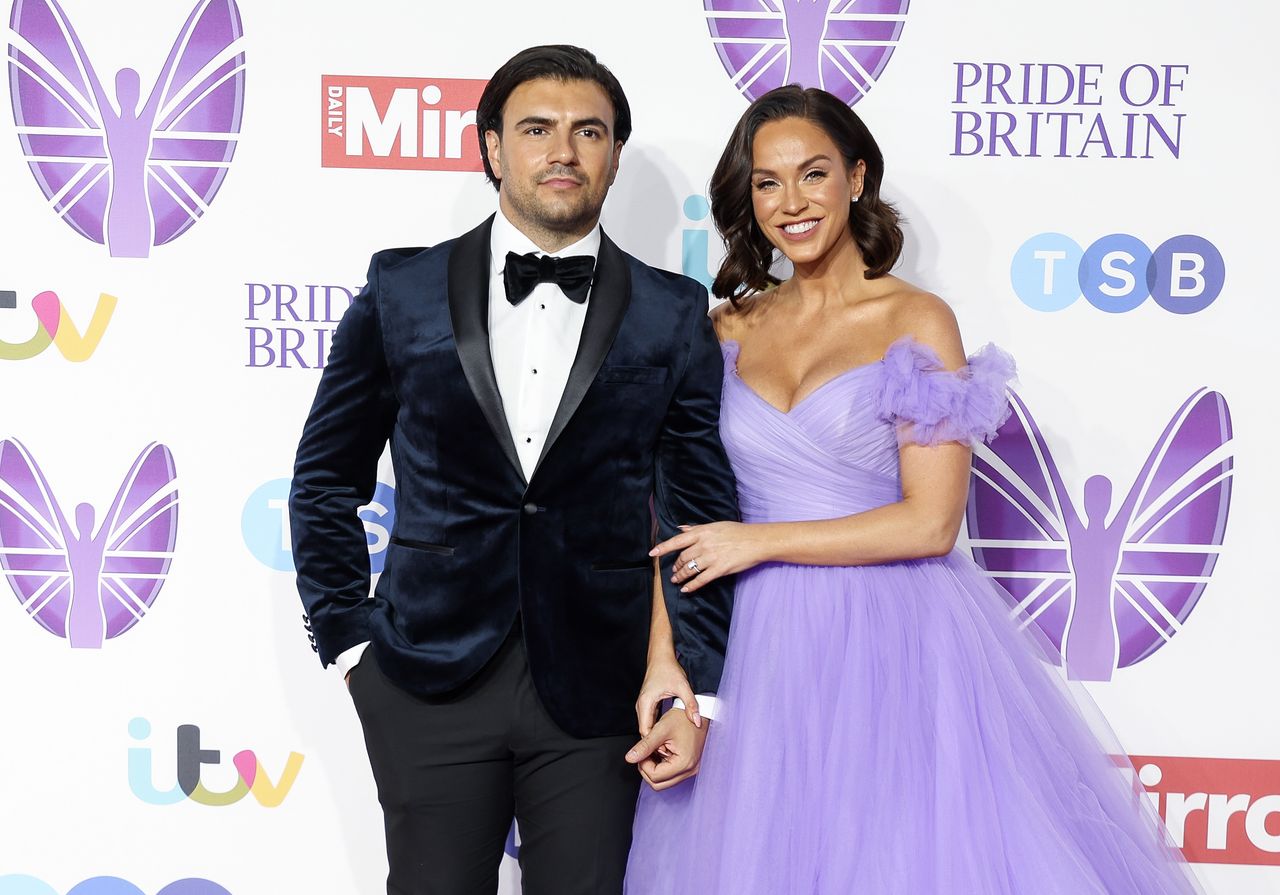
530,509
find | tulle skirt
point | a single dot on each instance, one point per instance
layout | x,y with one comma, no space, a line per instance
889,729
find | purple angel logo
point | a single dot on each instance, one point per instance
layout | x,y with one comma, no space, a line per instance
841,46
1111,588
78,582
127,175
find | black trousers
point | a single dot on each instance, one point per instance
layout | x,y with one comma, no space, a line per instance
453,771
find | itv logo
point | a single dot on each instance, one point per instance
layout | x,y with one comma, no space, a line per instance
417,124
55,327
251,776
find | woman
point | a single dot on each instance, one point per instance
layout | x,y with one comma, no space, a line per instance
884,726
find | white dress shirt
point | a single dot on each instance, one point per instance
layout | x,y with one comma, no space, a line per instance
532,345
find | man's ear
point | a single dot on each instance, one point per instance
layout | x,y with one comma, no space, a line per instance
493,147
617,158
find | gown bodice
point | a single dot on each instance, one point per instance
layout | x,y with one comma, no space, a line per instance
835,453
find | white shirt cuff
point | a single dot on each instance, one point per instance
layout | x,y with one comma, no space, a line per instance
708,705
349,659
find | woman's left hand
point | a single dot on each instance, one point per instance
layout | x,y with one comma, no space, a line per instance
708,552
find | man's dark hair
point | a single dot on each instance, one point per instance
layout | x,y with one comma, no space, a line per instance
560,62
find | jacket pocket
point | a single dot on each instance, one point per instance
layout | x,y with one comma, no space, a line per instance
440,549
618,373
622,565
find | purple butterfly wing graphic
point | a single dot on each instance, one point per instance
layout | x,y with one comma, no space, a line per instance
1019,517
84,584
121,171
54,90
841,46
1176,520
33,549
1111,588
140,532
201,105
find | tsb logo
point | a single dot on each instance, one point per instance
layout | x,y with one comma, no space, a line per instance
420,124
1118,272
251,777
21,884
265,524
1218,810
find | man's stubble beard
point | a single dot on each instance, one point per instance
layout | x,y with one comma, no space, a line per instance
570,219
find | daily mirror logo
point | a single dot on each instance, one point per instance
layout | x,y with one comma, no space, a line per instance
1217,810
89,578
126,168
841,46
1114,583
416,124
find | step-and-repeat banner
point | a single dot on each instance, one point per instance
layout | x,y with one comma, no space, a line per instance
190,192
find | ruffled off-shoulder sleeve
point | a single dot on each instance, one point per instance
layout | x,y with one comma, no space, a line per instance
931,404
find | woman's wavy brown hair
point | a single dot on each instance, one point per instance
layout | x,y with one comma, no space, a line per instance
873,221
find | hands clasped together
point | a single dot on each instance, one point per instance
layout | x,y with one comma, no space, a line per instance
670,748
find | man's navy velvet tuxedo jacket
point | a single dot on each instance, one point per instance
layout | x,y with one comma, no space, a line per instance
474,543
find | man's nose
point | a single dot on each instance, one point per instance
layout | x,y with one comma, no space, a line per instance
563,151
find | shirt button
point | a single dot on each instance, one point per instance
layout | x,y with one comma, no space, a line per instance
544,307
535,371
528,441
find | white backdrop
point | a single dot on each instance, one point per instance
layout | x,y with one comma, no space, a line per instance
223,647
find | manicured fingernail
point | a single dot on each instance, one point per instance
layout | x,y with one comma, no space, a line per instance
653,552
684,590
631,755
697,720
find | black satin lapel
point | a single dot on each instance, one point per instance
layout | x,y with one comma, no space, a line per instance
608,301
469,313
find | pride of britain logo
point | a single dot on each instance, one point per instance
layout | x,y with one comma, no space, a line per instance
841,46
1112,585
87,582
123,168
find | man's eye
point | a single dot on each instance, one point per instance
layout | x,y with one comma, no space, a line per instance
589,132
536,131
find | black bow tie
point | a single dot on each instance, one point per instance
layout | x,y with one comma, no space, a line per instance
523,272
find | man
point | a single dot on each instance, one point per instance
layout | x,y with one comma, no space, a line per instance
540,388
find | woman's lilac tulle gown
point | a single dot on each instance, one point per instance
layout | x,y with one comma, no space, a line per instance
888,729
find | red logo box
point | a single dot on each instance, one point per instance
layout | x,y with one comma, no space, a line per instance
415,124
1219,810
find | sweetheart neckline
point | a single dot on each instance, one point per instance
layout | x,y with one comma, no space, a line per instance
759,397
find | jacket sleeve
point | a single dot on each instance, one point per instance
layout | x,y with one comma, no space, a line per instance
335,474
694,485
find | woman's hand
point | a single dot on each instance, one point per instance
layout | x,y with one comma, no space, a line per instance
664,679
711,551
